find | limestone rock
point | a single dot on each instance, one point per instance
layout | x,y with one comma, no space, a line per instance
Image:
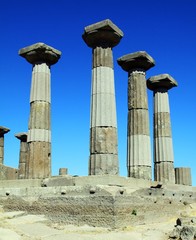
185,229
187,233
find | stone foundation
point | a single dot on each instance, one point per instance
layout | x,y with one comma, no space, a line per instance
8,173
109,201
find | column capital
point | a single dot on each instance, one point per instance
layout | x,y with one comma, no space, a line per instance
3,130
104,33
40,53
21,136
164,81
136,61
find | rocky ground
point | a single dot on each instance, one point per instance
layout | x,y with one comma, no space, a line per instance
20,226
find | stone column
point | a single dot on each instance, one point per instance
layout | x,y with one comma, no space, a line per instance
183,176
138,133
41,56
3,131
102,37
23,154
163,147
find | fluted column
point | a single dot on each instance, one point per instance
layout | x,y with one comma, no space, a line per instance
163,147
42,57
183,176
102,37
23,154
138,134
3,131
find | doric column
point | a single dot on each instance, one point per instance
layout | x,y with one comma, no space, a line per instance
138,133
42,57
23,154
3,131
183,176
163,147
102,37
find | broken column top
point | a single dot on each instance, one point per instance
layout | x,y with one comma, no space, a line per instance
161,81
40,52
3,130
136,61
104,33
21,136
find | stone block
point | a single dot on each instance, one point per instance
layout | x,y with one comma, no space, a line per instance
137,92
112,180
1,152
103,164
161,101
1,141
58,181
63,171
23,147
40,52
138,122
161,81
39,162
40,88
8,173
3,131
39,115
140,172
25,184
103,103
103,80
164,172
138,152
39,135
102,57
104,33
137,60
162,124
103,140
22,170
163,149
183,176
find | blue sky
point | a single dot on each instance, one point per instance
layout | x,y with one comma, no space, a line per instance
165,29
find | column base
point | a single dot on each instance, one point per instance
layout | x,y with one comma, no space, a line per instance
164,172
103,164
140,172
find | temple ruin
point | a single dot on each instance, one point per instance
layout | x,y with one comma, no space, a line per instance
73,199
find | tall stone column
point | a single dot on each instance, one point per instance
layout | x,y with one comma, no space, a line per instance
138,133
23,154
41,56
102,37
163,147
3,131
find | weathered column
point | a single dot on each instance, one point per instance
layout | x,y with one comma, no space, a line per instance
3,131
23,154
183,176
42,57
138,133
102,37
163,147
